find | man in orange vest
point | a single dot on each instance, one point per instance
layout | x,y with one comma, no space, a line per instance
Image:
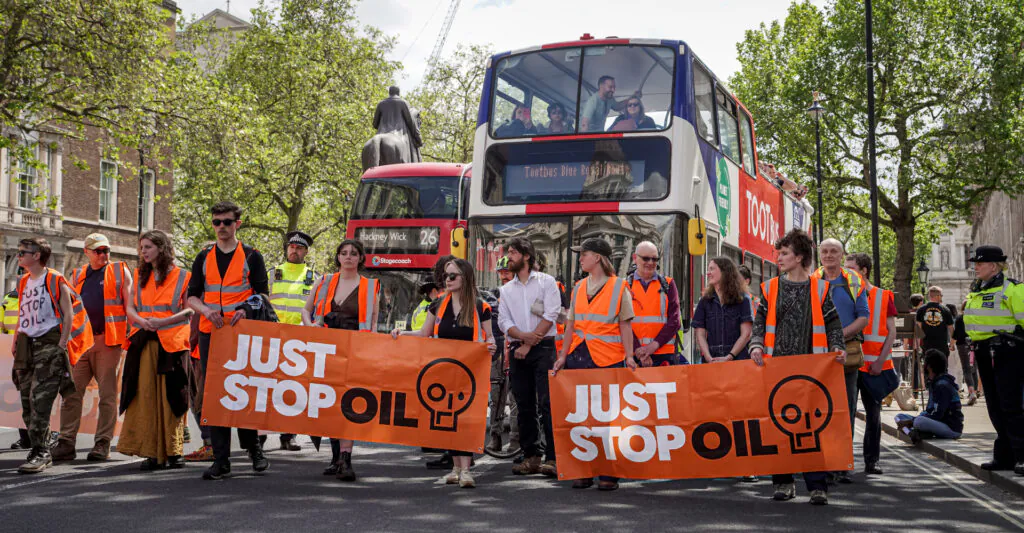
52,333
780,329
656,310
224,276
878,339
103,287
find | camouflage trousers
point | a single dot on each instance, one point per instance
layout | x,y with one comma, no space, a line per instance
48,374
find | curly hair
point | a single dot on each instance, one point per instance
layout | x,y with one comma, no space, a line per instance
164,261
731,286
802,245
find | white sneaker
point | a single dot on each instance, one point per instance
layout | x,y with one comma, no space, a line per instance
453,476
466,480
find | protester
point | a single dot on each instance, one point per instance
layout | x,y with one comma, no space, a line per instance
656,300
916,301
722,320
598,324
154,396
224,276
445,461
350,301
936,324
10,324
781,329
290,284
991,318
499,366
847,291
943,416
747,277
878,338
446,320
963,348
50,339
529,308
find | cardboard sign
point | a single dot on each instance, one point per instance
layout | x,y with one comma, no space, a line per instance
703,421
348,384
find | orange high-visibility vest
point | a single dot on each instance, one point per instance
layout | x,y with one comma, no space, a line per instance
228,293
819,340
651,309
162,301
478,332
597,321
877,329
115,319
80,339
853,280
368,291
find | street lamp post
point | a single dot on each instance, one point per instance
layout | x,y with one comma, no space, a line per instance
816,111
869,45
922,276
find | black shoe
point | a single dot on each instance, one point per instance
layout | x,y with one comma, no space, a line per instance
259,461
872,469
843,477
175,462
217,471
519,458
21,445
38,460
345,472
915,436
749,479
332,469
994,466
151,464
444,463
1019,468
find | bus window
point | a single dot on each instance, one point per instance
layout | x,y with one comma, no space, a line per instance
754,264
625,232
713,240
615,77
727,125
551,76
550,237
702,92
733,253
747,145
412,197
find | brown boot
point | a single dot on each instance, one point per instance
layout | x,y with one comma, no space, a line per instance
100,452
530,465
63,451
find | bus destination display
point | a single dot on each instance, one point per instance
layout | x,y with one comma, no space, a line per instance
574,179
399,240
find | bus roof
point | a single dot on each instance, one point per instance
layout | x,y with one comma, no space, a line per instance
406,170
588,40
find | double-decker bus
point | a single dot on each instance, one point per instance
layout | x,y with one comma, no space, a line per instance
582,162
407,216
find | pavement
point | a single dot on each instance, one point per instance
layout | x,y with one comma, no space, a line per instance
395,492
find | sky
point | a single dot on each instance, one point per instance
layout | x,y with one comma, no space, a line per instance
711,27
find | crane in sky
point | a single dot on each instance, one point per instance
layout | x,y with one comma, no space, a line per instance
446,26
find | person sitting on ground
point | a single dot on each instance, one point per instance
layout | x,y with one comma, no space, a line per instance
557,120
942,417
633,117
520,124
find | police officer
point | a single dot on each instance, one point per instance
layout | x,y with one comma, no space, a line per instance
290,283
993,318
429,292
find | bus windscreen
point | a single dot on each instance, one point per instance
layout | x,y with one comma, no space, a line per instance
412,197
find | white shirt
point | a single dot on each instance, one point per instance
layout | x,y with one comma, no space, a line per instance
517,298
36,315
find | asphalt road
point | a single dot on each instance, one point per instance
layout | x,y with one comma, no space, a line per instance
395,493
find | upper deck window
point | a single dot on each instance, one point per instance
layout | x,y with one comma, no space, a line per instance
727,126
583,90
748,143
412,197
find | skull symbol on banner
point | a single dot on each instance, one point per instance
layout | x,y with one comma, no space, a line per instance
446,388
801,407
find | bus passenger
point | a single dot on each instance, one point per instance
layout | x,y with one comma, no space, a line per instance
601,312
656,304
557,121
521,124
723,320
633,117
595,110
445,320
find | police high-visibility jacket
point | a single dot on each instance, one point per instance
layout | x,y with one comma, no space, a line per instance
999,308
651,309
853,280
819,339
225,294
478,332
290,285
597,321
10,313
368,291
80,339
419,316
162,301
877,329
114,317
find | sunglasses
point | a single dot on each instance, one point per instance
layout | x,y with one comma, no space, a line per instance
633,104
648,259
23,253
451,277
223,221
101,251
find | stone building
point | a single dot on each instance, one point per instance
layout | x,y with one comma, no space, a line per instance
1000,221
948,265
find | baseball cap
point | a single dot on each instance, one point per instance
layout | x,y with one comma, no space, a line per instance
96,240
598,246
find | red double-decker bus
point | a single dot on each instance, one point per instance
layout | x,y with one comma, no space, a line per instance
407,216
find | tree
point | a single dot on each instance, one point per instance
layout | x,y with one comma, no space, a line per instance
448,100
948,107
278,122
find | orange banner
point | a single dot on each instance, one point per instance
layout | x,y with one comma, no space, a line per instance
348,384
10,398
703,421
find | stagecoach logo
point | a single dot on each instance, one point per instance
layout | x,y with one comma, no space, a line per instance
378,261
724,199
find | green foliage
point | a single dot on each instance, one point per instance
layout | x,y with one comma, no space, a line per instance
276,123
949,88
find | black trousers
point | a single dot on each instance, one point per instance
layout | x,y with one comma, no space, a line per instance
221,436
872,422
529,380
1002,375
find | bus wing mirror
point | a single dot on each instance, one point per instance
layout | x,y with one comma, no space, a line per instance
698,236
459,248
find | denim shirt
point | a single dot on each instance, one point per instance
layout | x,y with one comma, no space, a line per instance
722,324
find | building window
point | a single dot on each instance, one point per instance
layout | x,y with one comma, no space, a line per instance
108,192
146,199
27,181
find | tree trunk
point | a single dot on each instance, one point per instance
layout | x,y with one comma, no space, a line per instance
903,270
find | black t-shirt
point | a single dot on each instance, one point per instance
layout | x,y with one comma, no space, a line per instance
935,320
448,328
92,298
257,270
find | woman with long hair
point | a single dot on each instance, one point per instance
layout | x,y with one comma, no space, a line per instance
723,320
154,388
633,117
344,300
458,314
